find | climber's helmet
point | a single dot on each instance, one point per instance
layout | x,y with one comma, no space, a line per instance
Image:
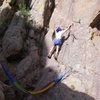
58,29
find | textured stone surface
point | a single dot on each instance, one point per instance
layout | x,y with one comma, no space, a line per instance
13,38
3,87
5,10
41,12
78,50
29,66
1,93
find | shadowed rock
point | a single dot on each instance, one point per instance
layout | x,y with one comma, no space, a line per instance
29,66
5,14
13,38
1,1
1,93
59,91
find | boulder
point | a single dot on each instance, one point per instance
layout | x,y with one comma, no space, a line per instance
41,12
13,39
28,70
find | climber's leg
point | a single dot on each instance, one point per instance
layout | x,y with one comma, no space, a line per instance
51,51
57,52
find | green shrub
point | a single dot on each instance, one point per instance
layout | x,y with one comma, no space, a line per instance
72,87
26,14
24,10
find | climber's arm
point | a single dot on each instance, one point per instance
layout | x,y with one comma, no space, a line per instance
67,28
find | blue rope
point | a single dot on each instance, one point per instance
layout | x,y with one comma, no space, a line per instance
59,78
7,74
12,80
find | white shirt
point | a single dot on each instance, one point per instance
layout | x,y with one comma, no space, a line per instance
59,35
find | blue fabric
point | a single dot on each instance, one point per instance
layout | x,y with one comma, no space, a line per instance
57,42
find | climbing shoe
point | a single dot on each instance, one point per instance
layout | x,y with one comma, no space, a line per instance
55,56
49,56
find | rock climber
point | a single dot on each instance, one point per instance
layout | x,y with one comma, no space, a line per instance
58,41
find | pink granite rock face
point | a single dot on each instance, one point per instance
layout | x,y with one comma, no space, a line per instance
80,50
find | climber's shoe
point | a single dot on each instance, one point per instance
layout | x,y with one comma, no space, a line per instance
55,56
49,56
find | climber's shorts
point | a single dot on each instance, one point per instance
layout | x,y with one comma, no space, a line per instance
57,42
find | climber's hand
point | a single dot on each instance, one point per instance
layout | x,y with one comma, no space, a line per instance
71,25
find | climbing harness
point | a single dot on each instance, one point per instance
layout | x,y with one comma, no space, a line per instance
49,85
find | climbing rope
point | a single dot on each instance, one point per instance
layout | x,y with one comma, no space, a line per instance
48,86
